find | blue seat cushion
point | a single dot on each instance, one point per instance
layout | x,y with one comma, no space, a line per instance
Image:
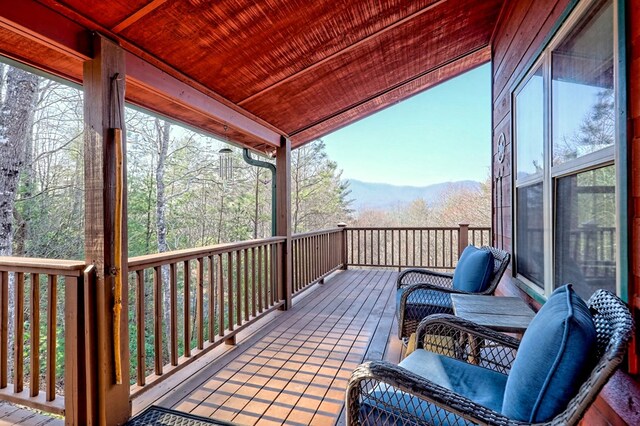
474,270
392,406
555,357
422,303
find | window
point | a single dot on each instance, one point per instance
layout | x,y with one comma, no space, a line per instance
564,134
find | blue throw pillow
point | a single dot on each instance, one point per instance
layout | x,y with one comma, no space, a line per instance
474,270
555,356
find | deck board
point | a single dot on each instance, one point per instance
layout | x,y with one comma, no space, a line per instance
295,370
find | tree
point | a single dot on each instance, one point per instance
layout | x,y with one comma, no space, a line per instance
17,108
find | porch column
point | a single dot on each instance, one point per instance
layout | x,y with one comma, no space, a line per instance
104,216
283,217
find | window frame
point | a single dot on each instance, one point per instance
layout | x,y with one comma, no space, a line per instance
611,155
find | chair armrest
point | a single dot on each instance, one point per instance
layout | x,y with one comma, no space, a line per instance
467,341
413,275
428,399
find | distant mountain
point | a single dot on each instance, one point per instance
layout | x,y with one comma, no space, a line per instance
383,196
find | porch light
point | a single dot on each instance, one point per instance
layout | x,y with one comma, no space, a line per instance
226,164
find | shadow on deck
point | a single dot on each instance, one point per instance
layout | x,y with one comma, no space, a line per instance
294,368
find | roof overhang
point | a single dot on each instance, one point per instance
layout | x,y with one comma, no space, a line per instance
296,69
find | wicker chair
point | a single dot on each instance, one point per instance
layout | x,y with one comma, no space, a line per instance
411,399
423,292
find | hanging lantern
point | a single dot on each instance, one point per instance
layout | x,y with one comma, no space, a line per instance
226,164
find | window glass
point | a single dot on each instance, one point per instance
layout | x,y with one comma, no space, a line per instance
530,126
530,233
583,117
585,233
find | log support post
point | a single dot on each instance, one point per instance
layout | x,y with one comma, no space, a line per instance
283,219
105,214
463,238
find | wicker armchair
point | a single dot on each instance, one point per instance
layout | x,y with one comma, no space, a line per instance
422,292
383,393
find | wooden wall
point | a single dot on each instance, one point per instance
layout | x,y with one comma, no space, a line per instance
522,28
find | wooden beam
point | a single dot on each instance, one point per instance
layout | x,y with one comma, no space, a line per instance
102,113
283,218
391,96
152,78
136,16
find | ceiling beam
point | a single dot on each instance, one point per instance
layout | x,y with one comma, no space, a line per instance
156,80
136,16
47,27
344,50
483,50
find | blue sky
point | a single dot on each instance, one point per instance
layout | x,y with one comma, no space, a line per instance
441,135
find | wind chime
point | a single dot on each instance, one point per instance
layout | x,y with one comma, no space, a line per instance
116,270
226,161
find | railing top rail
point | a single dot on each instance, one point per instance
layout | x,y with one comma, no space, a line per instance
157,259
313,233
42,266
414,228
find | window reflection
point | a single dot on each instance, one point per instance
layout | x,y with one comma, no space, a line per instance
530,126
530,233
585,241
582,87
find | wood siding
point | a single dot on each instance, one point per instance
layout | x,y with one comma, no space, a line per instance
521,31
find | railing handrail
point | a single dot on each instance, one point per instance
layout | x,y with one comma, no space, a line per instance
158,259
314,233
417,228
73,268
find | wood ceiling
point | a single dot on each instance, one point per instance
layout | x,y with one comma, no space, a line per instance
300,68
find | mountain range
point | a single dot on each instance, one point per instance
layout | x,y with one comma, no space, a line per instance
384,196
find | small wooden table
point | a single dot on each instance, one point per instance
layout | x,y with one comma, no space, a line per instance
506,314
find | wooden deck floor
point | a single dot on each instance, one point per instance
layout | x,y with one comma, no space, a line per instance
11,414
295,370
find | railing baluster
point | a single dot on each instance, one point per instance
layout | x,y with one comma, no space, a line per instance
245,286
52,299
220,285
414,246
253,281
140,353
34,320
392,249
230,291
18,351
259,294
157,318
238,289
212,299
266,277
173,319
186,278
421,248
200,301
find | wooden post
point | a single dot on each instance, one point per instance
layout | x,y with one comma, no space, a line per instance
283,217
343,245
463,238
104,111
75,403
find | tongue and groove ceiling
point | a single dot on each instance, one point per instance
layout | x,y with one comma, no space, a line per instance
302,67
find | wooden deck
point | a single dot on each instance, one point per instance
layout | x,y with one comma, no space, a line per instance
11,414
294,370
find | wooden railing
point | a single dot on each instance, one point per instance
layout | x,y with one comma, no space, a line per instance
212,293
36,286
433,248
315,255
